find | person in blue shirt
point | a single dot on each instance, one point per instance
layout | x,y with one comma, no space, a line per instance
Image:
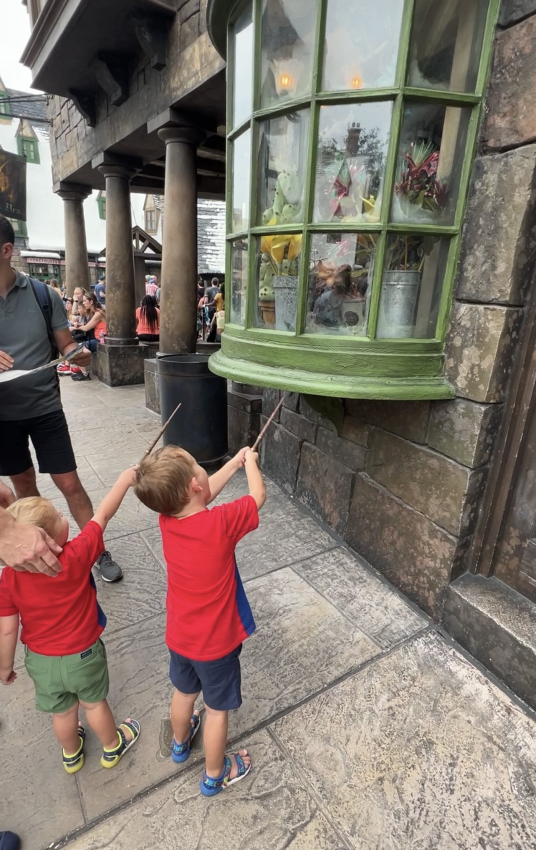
100,290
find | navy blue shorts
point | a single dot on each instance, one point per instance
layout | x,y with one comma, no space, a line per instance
219,680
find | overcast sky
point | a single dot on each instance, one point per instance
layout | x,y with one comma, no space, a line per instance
14,38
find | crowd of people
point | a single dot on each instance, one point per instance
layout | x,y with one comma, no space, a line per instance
210,310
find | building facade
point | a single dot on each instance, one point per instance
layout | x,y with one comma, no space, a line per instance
380,258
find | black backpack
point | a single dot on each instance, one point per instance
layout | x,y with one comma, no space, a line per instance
44,299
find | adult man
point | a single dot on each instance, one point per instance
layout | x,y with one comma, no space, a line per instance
100,290
30,407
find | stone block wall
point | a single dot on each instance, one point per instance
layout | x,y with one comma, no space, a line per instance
402,482
191,60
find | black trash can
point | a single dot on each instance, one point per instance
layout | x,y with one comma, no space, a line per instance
200,425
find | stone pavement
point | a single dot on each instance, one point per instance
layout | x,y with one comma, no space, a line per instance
367,728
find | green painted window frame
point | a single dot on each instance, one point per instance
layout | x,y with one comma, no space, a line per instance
101,204
398,95
20,228
5,108
25,145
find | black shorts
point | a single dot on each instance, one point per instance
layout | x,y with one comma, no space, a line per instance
219,680
50,438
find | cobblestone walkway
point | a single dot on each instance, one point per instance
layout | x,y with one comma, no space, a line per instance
368,730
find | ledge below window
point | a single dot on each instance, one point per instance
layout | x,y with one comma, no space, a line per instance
401,371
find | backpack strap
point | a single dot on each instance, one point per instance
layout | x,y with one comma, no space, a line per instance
44,299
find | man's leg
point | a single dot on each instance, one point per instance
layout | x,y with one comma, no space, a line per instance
25,484
78,500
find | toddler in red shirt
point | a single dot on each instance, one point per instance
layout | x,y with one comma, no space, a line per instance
208,615
61,627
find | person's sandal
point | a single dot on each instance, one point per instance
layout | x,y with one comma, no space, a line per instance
181,752
111,757
74,763
213,785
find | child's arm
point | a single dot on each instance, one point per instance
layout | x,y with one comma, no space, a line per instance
222,477
9,632
111,503
255,482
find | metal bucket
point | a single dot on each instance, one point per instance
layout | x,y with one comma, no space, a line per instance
200,426
286,302
400,291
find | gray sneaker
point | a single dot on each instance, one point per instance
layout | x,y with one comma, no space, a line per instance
109,570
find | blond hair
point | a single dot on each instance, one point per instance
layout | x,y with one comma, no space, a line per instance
163,480
35,511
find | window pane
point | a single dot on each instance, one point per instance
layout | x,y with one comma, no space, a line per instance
361,46
446,43
282,168
411,287
287,37
243,67
340,281
352,150
241,181
278,269
430,162
239,281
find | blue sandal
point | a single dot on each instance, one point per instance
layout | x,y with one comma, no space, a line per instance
181,752
213,785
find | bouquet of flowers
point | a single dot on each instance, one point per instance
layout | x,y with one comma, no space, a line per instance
418,185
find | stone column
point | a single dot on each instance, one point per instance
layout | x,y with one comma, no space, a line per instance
76,258
178,332
120,297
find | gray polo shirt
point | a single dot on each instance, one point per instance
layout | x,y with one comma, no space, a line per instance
23,335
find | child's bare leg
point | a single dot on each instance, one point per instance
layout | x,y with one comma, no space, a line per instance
182,707
215,742
66,729
100,718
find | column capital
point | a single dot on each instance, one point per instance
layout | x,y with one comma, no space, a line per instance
108,169
73,191
112,165
186,134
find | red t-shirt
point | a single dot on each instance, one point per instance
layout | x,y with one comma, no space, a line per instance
208,614
60,616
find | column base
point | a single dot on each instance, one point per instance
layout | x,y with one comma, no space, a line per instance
121,365
110,340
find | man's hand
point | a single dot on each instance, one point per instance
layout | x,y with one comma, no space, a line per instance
7,496
7,677
81,359
6,362
27,548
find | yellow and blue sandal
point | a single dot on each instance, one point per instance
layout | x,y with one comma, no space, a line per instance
74,763
111,757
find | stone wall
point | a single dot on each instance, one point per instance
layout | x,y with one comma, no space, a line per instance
191,60
402,482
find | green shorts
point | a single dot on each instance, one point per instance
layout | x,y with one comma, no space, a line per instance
62,680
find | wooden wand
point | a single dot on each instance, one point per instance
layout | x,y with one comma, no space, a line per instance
264,430
161,432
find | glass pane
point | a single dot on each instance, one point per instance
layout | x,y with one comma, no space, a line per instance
340,281
361,47
239,281
278,270
288,28
430,162
241,181
411,287
282,168
352,150
446,43
243,67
